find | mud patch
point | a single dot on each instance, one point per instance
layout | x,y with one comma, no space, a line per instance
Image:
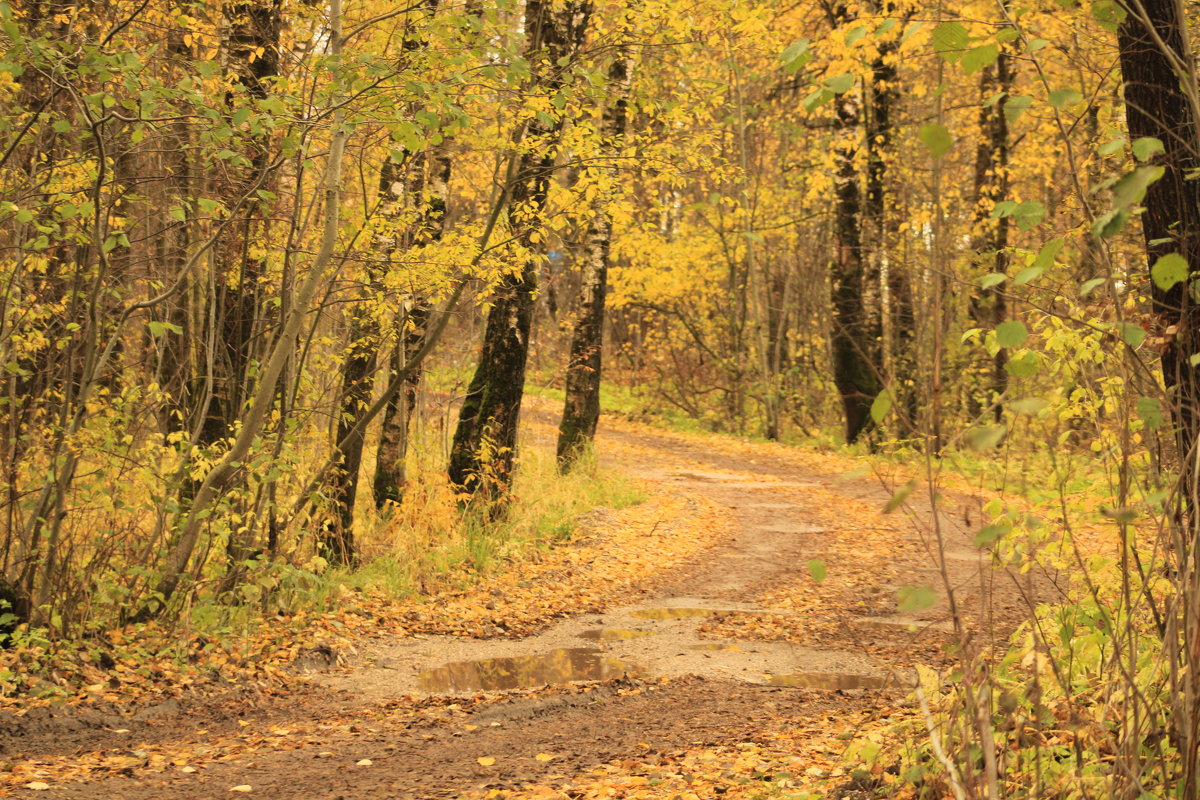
830,681
613,634
527,672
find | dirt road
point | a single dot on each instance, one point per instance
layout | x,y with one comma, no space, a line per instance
726,650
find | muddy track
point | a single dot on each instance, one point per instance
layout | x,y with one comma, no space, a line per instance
413,707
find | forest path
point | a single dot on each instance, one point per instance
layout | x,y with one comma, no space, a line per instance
724,651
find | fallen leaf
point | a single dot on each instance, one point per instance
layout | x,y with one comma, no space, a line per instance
366,762
486,761
544,757
245,787
187,769
37,786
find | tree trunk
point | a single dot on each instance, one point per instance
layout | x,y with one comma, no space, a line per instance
990,244
482,453
856,334
1160,95
581,410
390,470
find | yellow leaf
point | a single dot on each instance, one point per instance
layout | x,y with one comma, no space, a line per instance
366,762
187,769
245,787
37,786
544,757
486,761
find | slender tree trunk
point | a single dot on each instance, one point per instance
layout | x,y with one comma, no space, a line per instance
988,306
1161,101
482,453
581,411
897,325
390,464
856,334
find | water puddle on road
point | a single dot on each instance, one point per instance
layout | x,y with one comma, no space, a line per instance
721,613
829,681
497,674
676,613
613,634
731,648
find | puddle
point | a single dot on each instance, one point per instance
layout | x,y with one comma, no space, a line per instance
733,648
675,613
495,674
613,634
723,613
828,680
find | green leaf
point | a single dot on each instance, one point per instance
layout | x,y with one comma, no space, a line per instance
1029,214
989,534
950,39
816,568
1011,334
1132,333
1024,365
1028,274
817,99
1064,98
992,279
936,138
1027,406
1150,412
1049,252
1014,107
978,58
796,56
1036,44
841,84
1109,13
881,406
1146,148
900,496
1125,515
1110,224
985,437
1111,146
911,599
1088,287
157,329
1169,270
855,34
1131,188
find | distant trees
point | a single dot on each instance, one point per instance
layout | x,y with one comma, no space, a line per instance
481,458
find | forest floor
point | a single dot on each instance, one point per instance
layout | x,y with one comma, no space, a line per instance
707,661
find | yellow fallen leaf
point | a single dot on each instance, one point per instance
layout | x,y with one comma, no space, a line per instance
245,787
544,757
187,769
37,786
366,762
486,761
471,727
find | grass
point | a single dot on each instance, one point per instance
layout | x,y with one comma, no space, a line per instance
429,543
